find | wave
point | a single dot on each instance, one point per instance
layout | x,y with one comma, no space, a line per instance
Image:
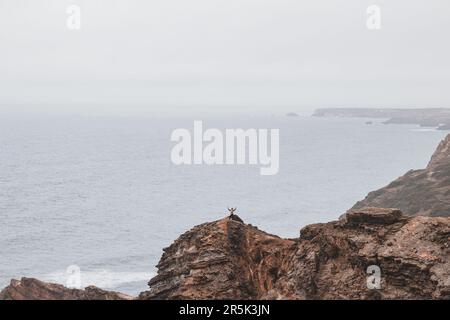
425,130
102,278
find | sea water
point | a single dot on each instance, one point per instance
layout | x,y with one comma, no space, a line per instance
102,194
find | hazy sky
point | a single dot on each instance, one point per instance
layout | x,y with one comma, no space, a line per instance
247,55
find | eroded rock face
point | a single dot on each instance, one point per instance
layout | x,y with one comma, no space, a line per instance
33,289
412,254
418,192
227,259
373,216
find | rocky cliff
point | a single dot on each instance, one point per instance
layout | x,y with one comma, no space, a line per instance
225,259
418,192
33,289
228,259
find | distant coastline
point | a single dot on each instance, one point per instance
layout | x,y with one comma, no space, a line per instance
438,118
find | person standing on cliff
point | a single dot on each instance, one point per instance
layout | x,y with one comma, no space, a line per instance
233,216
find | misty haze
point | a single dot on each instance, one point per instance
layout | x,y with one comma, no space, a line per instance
96,178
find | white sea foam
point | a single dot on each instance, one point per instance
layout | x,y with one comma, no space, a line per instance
105,279
424,130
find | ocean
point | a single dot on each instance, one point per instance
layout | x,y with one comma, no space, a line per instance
102,194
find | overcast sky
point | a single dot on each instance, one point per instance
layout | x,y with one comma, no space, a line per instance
246,55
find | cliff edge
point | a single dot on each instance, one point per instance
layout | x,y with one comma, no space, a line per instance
228,259
418,192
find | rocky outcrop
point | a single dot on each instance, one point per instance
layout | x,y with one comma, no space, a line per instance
418,192
228,259
33,289
373,215
225,259
441,156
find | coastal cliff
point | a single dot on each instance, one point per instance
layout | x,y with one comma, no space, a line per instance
228,259
418,192
225,259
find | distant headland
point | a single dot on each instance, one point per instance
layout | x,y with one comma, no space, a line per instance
438,118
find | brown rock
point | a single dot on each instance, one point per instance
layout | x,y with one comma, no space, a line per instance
418,192
442,154
373,216
227,259
33,289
